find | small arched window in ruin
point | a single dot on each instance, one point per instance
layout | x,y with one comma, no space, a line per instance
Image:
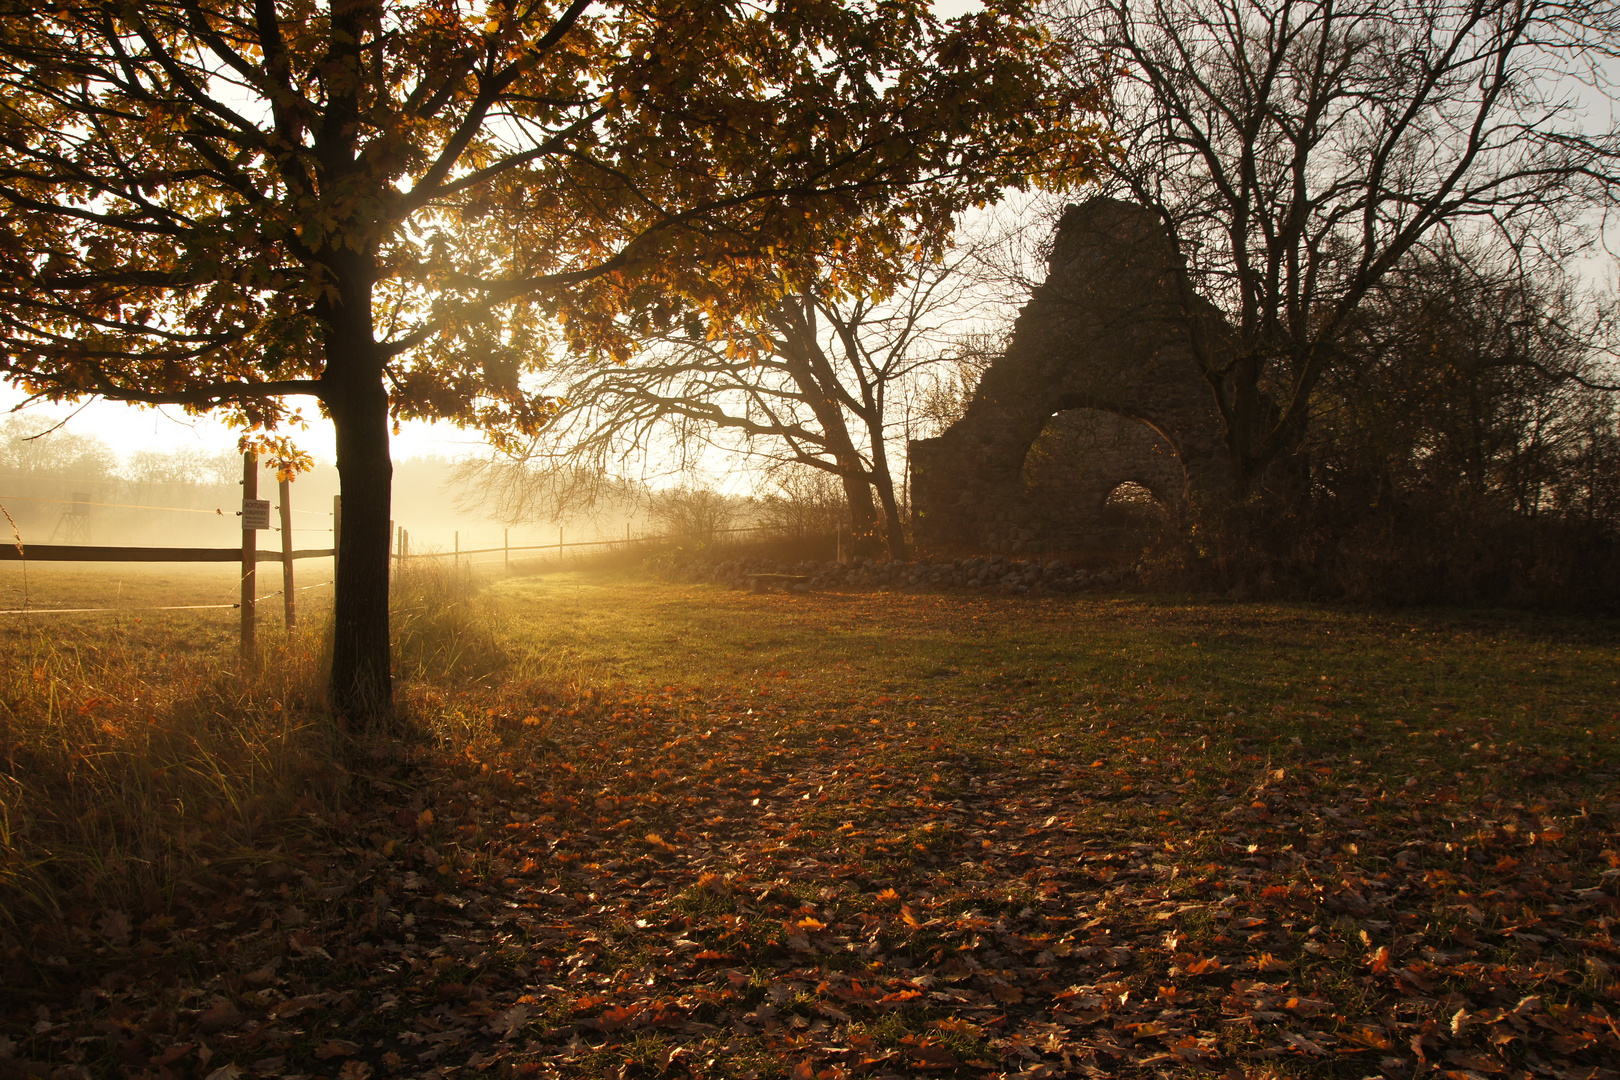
1078,447
1131,505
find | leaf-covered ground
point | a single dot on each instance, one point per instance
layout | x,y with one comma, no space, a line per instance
733,835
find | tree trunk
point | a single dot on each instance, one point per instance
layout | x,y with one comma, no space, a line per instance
863,519
883,480
361,688
814,377
895,533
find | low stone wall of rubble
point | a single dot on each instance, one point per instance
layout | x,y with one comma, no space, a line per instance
999,574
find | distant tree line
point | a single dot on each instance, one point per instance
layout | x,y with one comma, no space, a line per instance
793,501
36,448
1471,452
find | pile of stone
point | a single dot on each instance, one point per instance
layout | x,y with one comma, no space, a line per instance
1000,574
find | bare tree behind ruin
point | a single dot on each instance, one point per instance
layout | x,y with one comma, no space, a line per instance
1300,152
1471,390
816,388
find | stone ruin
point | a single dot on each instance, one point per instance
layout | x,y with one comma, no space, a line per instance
1097,398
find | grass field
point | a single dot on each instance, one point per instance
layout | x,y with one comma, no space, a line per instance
676,830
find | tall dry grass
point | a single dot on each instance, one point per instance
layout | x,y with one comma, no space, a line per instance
135,754
129,760
443,625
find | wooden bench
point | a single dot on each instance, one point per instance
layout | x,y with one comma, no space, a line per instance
763,582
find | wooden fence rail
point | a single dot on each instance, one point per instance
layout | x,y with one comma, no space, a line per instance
89,553
255,515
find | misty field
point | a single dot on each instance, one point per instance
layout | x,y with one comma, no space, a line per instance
647,829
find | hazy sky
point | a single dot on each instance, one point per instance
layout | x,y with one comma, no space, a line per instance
127,428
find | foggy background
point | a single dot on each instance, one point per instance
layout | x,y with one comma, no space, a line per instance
69,486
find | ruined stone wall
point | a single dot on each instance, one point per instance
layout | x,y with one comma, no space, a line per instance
1107,333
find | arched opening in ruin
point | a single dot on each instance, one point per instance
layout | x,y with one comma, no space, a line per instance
1078,447
1134,507
1081,456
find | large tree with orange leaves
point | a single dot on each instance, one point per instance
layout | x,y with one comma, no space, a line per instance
398,206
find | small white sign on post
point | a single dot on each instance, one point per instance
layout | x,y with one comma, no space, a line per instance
255,514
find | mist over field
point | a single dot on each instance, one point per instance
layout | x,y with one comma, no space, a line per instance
114,509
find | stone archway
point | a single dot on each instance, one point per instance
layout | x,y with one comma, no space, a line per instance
1105,334
1083,455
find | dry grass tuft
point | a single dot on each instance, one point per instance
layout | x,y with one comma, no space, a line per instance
124,767
443,626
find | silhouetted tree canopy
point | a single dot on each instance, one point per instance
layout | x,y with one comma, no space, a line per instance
1301,151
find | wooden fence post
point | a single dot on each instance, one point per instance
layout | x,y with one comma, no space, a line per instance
250,555
337,530
284,488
